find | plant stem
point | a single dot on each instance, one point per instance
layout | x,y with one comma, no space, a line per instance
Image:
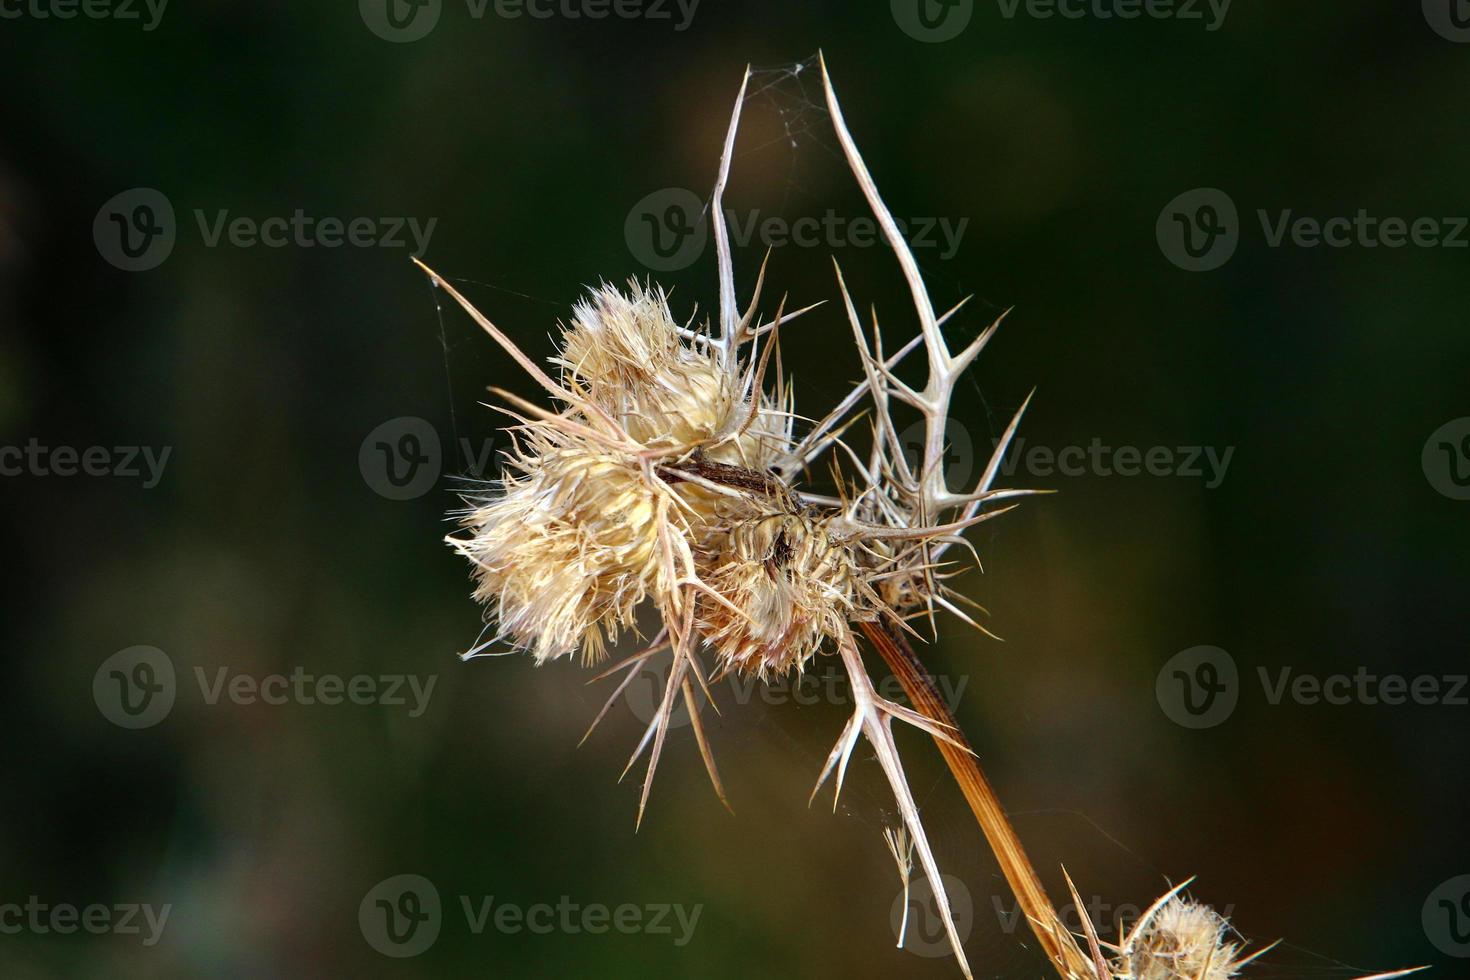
1061,948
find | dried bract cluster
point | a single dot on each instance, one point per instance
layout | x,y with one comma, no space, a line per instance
790,586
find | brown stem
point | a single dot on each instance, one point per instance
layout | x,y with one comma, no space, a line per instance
1058,943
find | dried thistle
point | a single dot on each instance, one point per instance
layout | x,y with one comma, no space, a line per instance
1179,939
790,586
667,472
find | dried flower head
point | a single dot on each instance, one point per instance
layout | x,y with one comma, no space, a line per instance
790,589
566,551
626,352
1179,940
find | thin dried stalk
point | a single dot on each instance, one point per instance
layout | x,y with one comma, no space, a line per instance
1063,951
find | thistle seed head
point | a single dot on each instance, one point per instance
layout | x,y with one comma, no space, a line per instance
791,588
570,546
626,352
1181,940
568,549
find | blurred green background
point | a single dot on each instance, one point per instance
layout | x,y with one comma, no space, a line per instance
266,547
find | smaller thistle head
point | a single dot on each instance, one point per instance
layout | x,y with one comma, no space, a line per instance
626,352
789,585
1179,940
568,549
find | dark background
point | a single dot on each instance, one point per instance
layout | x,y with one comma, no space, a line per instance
264,549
